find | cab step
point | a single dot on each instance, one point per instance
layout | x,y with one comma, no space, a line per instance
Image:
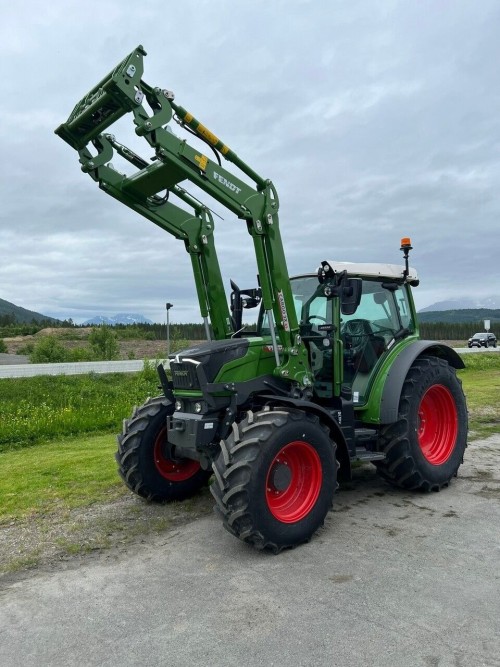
363,454
365,436
365,439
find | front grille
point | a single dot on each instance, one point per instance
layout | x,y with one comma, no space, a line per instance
184,375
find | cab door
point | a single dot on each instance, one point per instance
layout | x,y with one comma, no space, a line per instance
383,315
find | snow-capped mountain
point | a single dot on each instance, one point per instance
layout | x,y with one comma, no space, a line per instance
119,318
490,302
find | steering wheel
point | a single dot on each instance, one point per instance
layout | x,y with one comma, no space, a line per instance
316,317
357,328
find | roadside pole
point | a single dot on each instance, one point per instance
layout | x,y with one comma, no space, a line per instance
168,306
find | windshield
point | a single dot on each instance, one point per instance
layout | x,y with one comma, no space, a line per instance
309,308
385,306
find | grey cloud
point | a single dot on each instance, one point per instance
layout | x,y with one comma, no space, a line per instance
374,121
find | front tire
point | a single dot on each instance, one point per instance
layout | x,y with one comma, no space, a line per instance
275,478
425,447
143,462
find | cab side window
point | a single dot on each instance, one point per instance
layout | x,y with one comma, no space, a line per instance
386,310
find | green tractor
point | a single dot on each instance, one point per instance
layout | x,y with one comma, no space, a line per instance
335,372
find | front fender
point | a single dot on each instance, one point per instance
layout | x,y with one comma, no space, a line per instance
389,403
327,418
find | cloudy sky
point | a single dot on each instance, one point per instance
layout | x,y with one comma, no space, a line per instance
375,120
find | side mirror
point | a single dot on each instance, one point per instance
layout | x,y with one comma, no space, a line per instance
253,298
351,296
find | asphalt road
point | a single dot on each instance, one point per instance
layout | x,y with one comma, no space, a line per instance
13,359
69,368
394,579
8,369
464,350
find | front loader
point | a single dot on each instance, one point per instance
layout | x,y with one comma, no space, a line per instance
336,371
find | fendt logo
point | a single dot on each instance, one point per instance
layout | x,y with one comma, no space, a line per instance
284,314
228,184
181,374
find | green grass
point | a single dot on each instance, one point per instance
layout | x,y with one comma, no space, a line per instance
481,383
58,476
42,408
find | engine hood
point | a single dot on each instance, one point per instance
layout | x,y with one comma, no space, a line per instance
212,355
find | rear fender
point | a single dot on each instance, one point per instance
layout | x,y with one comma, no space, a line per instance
389,404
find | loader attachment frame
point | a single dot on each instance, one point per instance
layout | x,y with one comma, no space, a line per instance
175,161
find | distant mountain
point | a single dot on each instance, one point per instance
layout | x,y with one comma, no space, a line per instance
120,318
460,315
22,315
490,302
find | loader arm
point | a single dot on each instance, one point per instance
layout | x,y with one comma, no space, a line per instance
175,161
195,228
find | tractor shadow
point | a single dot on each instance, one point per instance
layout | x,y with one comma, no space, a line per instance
369,498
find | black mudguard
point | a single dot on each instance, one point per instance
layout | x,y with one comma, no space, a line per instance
327,418
389,406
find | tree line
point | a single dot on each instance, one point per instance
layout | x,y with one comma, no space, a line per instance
196,330
454,330
188,331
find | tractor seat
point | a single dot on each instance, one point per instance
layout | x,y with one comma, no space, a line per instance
362,348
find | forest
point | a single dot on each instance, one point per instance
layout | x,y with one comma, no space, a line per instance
194,331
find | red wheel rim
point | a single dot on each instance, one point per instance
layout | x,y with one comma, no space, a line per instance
437,424
174,471
293,482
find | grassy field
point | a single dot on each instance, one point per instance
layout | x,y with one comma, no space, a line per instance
57,444
481,383
34,410
58,476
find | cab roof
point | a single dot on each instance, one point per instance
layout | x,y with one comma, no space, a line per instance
371,270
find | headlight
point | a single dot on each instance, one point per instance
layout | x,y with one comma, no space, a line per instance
198,407
178,406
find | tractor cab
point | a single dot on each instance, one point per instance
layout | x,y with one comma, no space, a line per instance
348,340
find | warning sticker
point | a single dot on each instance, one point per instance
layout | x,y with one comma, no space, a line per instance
202,161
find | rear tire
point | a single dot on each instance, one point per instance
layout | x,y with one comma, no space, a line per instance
425,447
143,463
275,478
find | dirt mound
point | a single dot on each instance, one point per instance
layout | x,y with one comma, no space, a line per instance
61,331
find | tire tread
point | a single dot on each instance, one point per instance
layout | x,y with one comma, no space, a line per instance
399,467
233,469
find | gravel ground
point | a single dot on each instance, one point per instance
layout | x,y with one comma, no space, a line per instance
48,541
394,578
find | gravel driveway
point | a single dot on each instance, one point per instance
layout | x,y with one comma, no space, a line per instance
394,579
